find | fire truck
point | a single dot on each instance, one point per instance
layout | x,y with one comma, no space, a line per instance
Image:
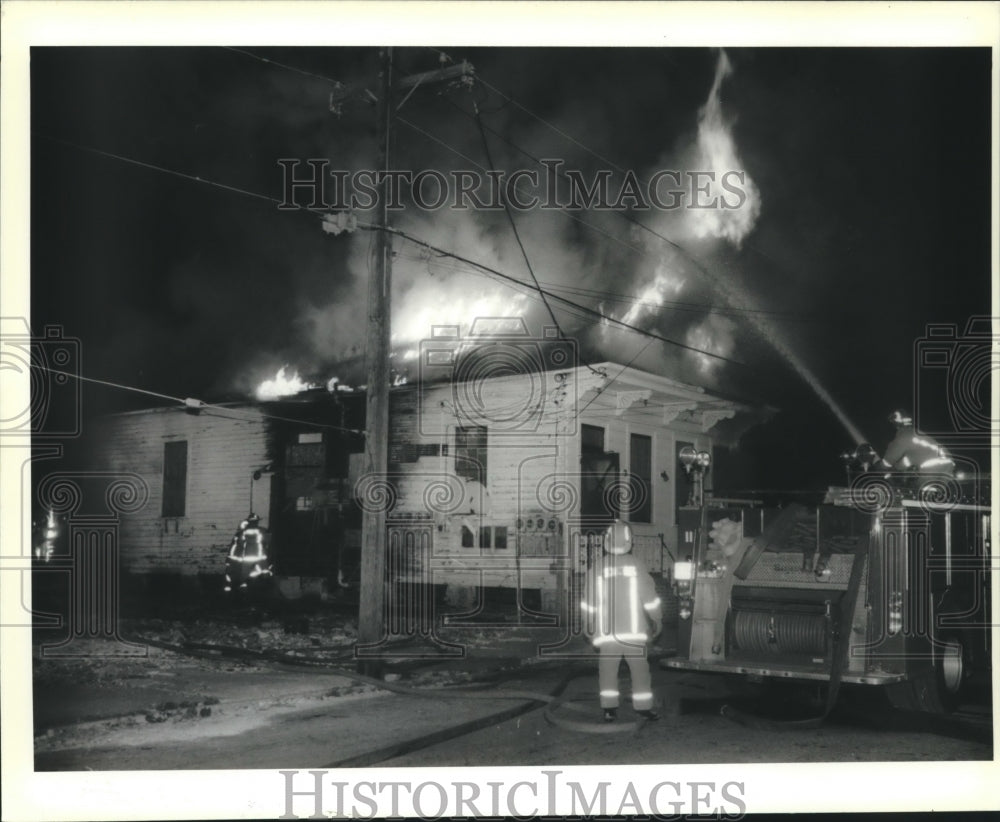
884,583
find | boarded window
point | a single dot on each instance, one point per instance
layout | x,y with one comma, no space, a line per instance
470,453
640,477
175,455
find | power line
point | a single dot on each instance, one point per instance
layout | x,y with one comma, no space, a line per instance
409,124
676,305
194,405
693,307
584,308
581,312
624,215
513,226
563,209
590,311
511,101
701,267
303,72
140,163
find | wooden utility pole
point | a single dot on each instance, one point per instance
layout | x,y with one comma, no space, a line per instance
372,609
371,613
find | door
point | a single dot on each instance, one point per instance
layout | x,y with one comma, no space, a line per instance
260,499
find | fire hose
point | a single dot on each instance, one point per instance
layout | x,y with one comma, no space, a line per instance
553,701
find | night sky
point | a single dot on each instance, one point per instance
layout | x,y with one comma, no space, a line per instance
871,170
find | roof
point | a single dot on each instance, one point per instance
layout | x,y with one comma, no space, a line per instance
607,389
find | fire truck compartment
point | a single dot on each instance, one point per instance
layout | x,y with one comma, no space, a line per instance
782,623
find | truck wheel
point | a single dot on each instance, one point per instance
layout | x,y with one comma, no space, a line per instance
950,672
933,691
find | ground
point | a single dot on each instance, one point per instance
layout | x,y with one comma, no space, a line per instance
273,697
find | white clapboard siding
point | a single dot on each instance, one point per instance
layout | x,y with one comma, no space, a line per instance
223,451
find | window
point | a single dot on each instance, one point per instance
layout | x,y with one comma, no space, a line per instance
489,537
592,439
174,478
470,453
640,476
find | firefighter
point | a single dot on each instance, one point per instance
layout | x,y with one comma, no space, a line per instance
910,451
247,560
619,598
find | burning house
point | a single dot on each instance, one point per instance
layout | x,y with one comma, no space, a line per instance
503,481
207,467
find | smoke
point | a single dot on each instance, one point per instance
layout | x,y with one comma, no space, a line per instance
715,334
581,257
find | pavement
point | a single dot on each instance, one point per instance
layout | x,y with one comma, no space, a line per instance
167,710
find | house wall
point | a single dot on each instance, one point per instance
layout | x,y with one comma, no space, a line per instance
533,467
528,453
224,448
532,473
665,436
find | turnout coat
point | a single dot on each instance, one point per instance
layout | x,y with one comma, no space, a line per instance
618,596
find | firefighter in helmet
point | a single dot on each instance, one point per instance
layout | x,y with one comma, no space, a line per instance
247,562
619,599
910,451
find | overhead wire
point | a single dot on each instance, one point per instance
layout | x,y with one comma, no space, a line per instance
186,403
594,312
604,318
478,78
624,215
585,314
517,237
440,251
675,305
537,161
192,177
565,211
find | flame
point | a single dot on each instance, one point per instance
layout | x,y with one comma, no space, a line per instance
334,385
716,152
282,385
426,307
652,296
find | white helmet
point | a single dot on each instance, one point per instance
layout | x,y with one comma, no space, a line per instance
900,419
618,538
